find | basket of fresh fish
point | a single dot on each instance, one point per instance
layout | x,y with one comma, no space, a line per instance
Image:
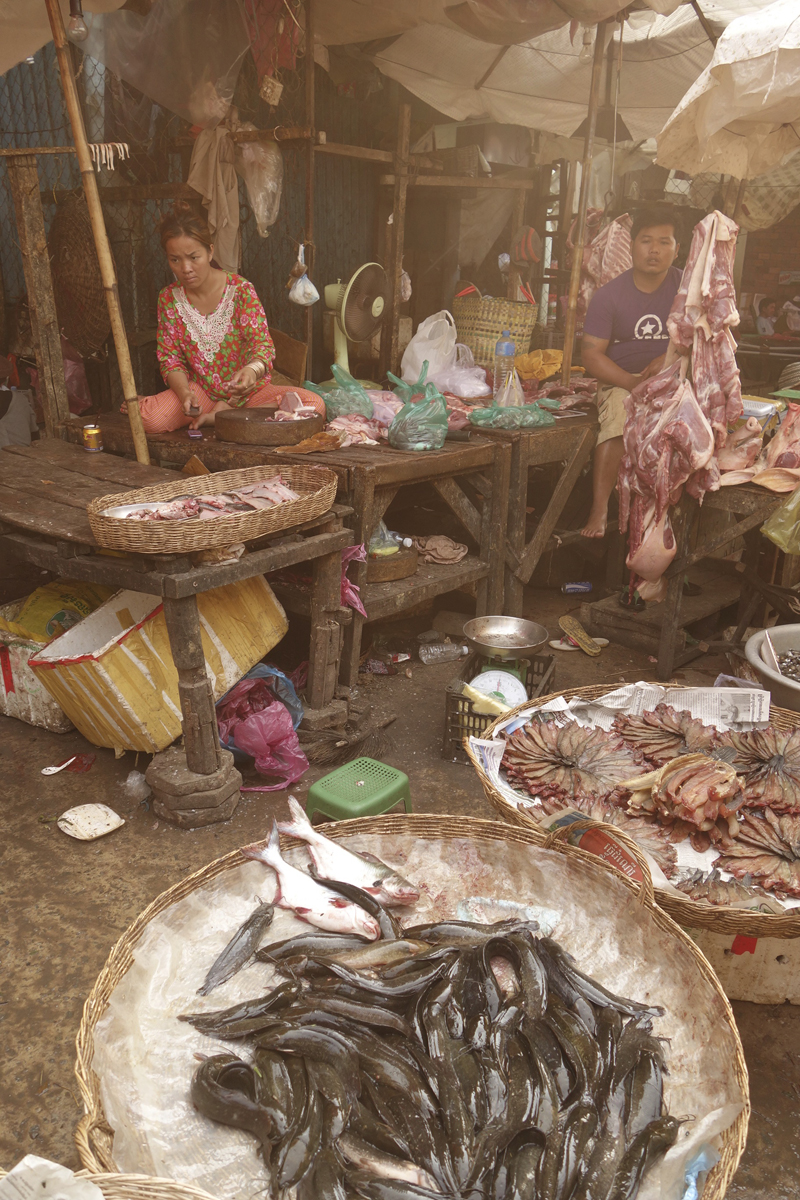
669,781
200,512
412,1006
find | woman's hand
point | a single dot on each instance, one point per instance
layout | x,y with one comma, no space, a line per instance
208,417
243,382
188,402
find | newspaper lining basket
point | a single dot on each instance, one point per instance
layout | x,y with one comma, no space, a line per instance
94,1136
691,914
480,321
316,487
140,1187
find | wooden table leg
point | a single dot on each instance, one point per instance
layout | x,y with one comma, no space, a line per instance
493,531
685,519
365,520
194,687
517,518
326,634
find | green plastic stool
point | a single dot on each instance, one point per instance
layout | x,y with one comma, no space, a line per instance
361,788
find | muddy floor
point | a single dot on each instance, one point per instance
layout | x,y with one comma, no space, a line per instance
65,903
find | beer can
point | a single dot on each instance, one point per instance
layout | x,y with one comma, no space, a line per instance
92,438
570,589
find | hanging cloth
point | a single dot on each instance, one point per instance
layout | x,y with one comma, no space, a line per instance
212,173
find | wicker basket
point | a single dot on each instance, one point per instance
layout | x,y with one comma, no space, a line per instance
315,485
93,1135
140,1187
480,321
692,914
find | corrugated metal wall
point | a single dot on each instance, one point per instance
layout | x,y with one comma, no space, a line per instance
32,113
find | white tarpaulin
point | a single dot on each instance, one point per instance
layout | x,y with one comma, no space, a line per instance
543,84
24,27
742,116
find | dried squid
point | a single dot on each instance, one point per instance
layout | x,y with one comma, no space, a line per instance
694,788
567,762
769,762
713,889
768,848
665,732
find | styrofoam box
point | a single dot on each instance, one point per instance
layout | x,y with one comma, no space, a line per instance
762,970
21,693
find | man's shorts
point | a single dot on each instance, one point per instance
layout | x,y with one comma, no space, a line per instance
611,410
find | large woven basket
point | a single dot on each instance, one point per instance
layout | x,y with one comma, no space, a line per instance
692,914
94,1136
316,487
140,1187
480,321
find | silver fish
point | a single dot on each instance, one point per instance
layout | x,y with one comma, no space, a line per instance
333,861
308,899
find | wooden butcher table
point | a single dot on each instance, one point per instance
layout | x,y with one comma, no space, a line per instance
44,491
569,442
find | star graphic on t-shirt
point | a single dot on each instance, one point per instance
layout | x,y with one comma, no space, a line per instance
647,330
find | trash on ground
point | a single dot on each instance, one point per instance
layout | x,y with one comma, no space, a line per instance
89,821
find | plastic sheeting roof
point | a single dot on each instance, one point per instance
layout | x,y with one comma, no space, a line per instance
541,83
24,27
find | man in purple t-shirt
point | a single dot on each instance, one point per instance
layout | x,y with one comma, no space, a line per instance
625,339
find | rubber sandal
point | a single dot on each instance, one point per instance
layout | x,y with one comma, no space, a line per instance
567,644
575,631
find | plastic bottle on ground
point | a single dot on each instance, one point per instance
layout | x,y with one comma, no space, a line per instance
503,360
439,652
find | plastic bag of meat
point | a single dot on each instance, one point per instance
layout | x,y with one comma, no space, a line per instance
420,426
783,526
254,723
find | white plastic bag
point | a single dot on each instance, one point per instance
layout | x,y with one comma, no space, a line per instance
434,342
511,394
302,290
463,379
260,165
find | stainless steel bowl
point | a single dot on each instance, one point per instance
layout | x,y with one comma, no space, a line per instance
505,637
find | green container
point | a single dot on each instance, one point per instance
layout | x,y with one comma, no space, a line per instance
361,788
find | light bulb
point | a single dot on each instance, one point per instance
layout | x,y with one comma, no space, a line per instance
587,49
77,29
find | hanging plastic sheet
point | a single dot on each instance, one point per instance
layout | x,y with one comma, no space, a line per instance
183,54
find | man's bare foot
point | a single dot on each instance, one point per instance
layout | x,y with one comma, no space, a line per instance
595,527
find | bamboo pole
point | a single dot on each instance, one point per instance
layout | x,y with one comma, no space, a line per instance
390,333
310,98
586,170
107,270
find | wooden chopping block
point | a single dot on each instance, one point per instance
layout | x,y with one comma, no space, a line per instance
393,566
257,427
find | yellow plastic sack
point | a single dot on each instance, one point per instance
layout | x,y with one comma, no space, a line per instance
783,527
56,607
538,364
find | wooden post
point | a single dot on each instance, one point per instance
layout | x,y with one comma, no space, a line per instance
309,221
586,170
517,219
24,179
200,732
390,355
105,259
737,208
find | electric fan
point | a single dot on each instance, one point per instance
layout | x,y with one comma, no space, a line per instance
358,307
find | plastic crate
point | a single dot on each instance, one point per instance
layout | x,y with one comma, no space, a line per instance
361,788
460,718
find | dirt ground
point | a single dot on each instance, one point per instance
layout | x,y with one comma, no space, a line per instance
65,903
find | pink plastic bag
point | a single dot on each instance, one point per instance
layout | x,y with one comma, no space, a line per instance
351,591
262,727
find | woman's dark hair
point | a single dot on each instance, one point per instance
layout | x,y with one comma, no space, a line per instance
185,221
765,302
656,214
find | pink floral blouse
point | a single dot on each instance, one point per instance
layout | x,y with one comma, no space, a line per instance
211,349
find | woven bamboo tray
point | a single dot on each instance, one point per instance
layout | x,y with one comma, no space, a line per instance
93,1135
480,321
316,487
140,1187
692,914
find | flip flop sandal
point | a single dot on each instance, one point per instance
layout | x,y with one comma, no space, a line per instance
567,644
575,631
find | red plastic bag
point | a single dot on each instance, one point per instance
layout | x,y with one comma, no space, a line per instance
261,726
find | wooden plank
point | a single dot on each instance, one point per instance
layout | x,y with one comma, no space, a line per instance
94,568
201,736
466,512
431,579
572,468
493,533
290,355
680,564
105,467
369,154
462,181
327,635
45,517
24,180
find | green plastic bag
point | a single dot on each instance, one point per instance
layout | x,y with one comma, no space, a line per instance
420,426
346,398
783,526
406,391
527,416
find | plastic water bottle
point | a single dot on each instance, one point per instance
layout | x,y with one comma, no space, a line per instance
503,360
440,652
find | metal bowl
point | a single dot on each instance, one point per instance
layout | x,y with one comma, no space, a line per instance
505,637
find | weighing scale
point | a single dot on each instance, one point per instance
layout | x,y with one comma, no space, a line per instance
504,645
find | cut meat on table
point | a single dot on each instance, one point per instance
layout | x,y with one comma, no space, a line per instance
248,498
742,447
357,430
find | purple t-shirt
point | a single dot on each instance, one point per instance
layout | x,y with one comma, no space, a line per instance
634,322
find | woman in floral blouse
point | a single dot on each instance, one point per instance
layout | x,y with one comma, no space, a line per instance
214,347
